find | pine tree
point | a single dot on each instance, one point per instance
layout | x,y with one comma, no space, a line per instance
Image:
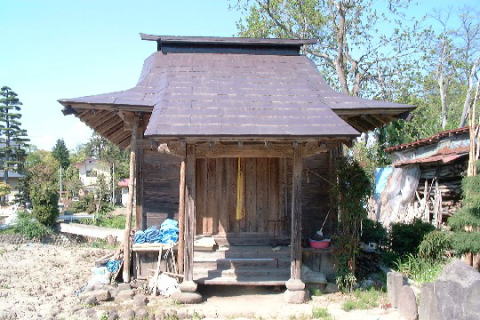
60,152
13,139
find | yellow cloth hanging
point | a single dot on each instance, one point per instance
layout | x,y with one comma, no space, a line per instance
240,212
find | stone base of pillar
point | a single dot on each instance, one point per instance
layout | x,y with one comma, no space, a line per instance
296,292
188,293
187,297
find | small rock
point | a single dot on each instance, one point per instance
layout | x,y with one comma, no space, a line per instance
127,315
102,295
112,315
140,301
90,300
124,295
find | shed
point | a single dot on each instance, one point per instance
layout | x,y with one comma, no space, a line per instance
237,139
426,179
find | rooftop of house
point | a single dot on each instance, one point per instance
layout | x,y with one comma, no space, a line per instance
216,86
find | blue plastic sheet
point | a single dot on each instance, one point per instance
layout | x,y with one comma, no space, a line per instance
381,179
113,265
167,234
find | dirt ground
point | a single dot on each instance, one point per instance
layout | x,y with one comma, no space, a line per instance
39,281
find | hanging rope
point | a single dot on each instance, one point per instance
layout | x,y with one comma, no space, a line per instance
240,212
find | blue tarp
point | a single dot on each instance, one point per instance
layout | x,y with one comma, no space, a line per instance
168,233
381,179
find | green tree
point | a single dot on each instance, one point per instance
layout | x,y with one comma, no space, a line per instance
60,152
13,138
355,52
41,185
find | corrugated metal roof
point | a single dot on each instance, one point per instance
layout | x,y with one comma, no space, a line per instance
443,156
430,140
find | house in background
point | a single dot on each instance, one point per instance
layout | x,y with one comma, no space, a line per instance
90,170
13,182
123,185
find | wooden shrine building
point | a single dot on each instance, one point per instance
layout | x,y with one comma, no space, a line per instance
236,138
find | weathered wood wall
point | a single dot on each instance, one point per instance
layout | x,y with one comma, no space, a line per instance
160,187
267,193
217,179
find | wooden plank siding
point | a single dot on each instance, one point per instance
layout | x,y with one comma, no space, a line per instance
267,193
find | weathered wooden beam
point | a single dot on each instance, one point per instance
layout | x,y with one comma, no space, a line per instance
296,214
244,151
130,205
313,148
181,216
190,195
295,286
100,118
140,221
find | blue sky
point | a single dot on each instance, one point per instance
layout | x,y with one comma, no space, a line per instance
52,49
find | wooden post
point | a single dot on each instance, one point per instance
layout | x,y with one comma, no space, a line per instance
189,212
130,204
296,214
181,217
188,287
295,286
140,220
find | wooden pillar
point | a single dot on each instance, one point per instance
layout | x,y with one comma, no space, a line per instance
130,204
295,286
189,212
181,216
140,220
188,287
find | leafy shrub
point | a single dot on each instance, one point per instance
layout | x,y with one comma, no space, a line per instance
346,280
418,269
435,245
85,204
466,242
463,218
373,231
30,227
45,203
406,237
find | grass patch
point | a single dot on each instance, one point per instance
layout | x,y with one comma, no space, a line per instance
364,299
101,244
315,292
321,313
8,231
107,221
418,269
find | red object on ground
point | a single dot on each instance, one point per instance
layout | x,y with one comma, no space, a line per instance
323,244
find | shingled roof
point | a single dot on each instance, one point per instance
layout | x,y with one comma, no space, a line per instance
204,86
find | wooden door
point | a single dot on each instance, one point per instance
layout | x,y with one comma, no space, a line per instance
243,195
